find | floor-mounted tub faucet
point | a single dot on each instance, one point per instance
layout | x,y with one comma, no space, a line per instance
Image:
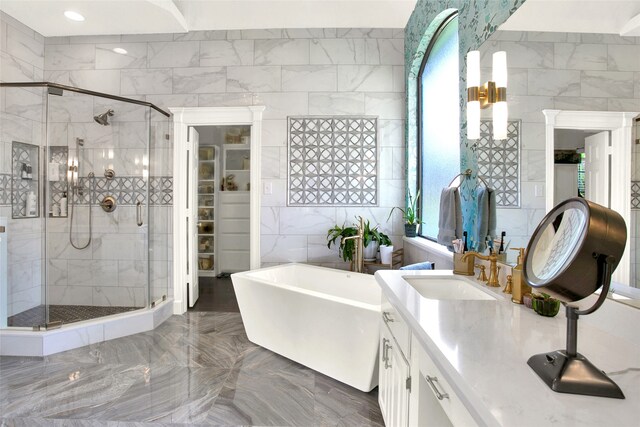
357,264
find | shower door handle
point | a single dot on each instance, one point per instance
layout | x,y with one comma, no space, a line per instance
139,214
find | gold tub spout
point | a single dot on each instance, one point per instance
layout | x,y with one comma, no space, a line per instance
493,266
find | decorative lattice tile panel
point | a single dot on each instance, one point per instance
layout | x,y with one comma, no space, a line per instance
332,160
499,163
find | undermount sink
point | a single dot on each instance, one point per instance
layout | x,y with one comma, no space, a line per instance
447,288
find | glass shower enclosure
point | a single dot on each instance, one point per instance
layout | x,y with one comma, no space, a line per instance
85,202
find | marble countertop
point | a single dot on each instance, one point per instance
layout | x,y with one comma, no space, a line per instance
482,348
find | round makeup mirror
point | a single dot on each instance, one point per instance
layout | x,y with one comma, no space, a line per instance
573,253
560,254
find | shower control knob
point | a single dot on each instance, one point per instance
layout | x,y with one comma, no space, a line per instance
108,204
109,173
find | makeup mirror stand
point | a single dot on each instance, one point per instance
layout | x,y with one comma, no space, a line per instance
567,371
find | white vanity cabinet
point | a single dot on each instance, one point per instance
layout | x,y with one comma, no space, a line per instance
394,376
394,382
433,402
412,391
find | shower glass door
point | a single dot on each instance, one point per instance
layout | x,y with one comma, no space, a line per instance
21,218
96,205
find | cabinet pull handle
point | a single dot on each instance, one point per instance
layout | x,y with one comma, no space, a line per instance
139,213
386,317
387,365
432,382
384,349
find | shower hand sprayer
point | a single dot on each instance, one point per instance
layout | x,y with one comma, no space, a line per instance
77,187
77,192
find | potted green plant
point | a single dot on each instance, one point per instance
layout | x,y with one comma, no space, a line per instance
372,238
410,216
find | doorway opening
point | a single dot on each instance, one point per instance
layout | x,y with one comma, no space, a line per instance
217,213
608,159
223,186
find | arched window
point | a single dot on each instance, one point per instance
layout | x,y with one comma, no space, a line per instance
438,122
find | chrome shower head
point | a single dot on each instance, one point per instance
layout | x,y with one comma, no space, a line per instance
103,118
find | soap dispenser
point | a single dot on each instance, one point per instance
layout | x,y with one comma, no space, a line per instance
63,204
519,287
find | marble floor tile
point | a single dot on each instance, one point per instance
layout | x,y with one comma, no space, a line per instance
198,369
46,422
265,389
143,348
336,404
200,350
169,394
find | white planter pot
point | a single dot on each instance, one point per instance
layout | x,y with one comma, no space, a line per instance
370,251
386,253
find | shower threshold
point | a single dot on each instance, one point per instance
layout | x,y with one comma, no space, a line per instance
25,341
64,313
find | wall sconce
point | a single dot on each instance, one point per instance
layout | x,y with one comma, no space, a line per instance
492,93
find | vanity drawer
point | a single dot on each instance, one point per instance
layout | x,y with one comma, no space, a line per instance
437,389
397,326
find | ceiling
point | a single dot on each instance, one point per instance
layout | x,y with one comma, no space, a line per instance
106,17
577,16
179,16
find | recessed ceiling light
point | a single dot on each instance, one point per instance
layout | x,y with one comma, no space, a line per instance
120,50
74,16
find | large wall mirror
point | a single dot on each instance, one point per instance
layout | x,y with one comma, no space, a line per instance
571,72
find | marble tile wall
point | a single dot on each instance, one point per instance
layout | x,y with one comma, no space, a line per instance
565,71
292,72
21,119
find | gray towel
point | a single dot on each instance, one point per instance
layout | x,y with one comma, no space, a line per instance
486,218
450,221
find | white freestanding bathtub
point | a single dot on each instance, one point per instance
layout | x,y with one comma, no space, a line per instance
322,318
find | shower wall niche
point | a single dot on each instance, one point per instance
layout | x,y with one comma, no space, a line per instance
74,260
25,180
57,184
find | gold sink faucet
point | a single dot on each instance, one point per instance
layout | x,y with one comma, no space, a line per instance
493,266
357,265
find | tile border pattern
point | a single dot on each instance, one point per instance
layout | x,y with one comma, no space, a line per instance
127,190
332,161
635,195
5,189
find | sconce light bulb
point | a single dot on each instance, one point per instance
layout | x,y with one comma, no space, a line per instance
473,68
500,68
473,120
500,117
